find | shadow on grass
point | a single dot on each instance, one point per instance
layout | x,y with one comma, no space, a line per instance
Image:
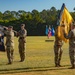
31,69
49,40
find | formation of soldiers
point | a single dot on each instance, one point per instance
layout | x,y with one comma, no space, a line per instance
22,43
9,32
58,46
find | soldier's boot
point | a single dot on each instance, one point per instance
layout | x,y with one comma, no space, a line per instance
56,60
59,63
59,59
56,64
73,64
9,61
72,67
20,56
22,59
11,57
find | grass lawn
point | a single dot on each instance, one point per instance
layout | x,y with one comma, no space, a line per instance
39,59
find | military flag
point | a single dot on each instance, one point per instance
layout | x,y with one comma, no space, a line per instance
46,32
52,31
49,32
64,16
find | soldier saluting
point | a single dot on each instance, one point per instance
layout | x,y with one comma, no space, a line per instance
9,42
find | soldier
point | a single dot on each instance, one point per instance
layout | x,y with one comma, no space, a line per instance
58,48
71,37
22,42
9,43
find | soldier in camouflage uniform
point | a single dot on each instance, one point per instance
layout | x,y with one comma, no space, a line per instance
58,47
71,37
9,43
58,50
22,42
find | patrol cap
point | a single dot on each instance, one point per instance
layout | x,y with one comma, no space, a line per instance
22,25
10,27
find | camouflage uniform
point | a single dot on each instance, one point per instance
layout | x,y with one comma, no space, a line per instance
71,37
9,45
22,43
58,50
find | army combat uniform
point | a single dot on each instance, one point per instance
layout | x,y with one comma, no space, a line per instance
71,37
9,45
22,43
57,50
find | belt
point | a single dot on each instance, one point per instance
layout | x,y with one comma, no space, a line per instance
21,37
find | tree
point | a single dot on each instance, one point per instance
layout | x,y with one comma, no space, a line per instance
7,12
1,16
74,9
35,21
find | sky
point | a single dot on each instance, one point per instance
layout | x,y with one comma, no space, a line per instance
29,5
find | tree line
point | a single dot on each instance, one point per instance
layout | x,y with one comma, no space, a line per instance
35,21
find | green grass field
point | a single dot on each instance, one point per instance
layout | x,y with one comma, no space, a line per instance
39,59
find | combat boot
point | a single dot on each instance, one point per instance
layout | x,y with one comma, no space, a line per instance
73,67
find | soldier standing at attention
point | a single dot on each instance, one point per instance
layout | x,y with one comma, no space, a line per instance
57,50
58,47
71,37
9,43
22,42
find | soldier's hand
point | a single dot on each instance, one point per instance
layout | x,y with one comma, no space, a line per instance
5,27
65,34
